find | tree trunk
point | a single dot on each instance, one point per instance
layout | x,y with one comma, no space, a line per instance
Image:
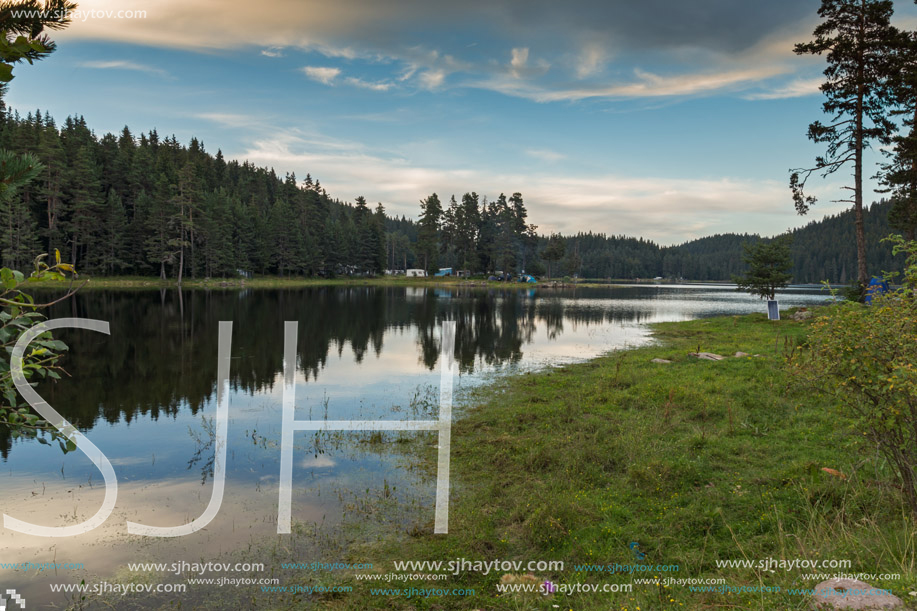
181,244
862,276
52,219
191,222
909,232
181,264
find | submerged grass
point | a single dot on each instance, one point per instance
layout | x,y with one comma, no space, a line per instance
696,461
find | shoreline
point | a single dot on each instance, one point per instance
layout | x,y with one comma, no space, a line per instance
272,282
694,461
275,282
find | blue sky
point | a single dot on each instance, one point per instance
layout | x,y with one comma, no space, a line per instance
662,119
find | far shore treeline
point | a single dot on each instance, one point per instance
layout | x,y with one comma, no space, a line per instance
147,205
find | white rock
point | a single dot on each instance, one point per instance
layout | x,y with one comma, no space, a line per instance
707,356
852,594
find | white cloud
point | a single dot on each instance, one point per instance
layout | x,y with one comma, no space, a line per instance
645,85
520,56
372,85
322,74
667,210
228,119
688,44
793,89
123,65
590,61
317,462
431,79
408,72
545,155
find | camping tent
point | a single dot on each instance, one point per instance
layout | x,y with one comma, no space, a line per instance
877,286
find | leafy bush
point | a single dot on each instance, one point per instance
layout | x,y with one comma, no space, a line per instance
19,313
866,358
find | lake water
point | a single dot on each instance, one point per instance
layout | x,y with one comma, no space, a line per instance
145,395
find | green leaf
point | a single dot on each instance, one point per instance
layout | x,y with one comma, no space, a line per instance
6,72
7,278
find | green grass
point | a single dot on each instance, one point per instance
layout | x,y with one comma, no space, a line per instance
696,460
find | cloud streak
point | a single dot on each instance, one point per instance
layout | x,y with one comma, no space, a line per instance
322,74
794,89
644,85
371,85
545,155
123,65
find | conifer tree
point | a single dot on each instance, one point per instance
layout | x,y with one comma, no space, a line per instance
85,209
18,229
899,176
159,249
431,213
769,263
857,39
554,251
114,242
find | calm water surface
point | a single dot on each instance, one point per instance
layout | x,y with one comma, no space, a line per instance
145,397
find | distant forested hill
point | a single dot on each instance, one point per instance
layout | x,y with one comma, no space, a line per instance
822,250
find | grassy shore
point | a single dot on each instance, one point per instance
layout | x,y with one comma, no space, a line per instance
696,461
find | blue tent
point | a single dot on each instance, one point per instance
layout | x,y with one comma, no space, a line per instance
877,286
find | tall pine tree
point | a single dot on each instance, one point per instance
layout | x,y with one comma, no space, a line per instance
857,38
